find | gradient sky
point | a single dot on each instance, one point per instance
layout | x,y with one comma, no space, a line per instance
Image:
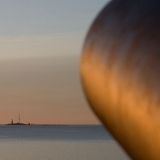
40,46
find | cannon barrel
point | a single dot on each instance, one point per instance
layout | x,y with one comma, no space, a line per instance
120,72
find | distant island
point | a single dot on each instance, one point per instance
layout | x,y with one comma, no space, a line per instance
17,123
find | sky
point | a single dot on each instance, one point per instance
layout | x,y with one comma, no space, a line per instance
40,47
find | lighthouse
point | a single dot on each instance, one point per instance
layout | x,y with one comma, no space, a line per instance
19,119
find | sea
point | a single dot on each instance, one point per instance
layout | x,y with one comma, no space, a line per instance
58,142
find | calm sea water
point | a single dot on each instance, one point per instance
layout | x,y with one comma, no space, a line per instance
58,143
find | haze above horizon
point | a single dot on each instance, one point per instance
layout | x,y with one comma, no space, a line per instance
41,42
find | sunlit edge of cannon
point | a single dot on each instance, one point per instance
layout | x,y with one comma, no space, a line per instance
118,92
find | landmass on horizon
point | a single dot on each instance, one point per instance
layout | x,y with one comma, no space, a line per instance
17,123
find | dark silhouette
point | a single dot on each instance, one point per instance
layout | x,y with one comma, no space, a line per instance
18,123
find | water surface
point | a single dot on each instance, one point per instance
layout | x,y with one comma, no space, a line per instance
58,143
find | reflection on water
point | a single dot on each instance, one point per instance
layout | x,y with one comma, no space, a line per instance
60,150
39,132
58,143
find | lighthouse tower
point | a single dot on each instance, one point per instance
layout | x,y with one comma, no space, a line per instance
19,119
